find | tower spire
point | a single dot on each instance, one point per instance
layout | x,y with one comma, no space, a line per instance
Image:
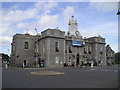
73,26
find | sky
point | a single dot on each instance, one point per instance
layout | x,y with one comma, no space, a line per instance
93,18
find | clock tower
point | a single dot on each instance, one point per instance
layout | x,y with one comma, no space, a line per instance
73,27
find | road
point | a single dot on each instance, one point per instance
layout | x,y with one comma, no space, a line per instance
99,77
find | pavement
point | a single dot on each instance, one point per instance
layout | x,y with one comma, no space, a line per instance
97,77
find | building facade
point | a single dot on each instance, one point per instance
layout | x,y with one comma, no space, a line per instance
110,55
55,48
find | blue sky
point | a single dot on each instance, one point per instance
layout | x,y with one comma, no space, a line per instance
94,18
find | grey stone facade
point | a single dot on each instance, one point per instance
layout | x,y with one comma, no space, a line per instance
53,55
110,55
19,54
55,48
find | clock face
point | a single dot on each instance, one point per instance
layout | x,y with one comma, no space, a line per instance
77,33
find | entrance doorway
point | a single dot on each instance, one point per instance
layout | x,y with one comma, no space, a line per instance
77,57
25,62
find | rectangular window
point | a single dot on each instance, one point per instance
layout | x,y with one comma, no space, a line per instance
56,46
101,52
43,46
13,46
89,52
26,45
56,60
65,51
84,50
101,48
70,51
89,49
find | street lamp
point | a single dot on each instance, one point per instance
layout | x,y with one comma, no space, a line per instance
36,31
118,13
36,48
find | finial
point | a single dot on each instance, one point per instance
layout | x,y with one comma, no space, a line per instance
99,35
72,16
27,32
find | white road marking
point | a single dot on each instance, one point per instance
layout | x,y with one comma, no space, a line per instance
92,69
116,70
106,70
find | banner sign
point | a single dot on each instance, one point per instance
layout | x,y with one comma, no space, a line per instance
77,43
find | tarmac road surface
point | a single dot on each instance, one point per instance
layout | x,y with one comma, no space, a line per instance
99,77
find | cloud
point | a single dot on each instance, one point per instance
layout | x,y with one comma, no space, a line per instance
21,25
108,30
5,40
105,29
114,46
14,16
16,6
104,0
67,12
47,21
45,6
16,20
104,6
50,5
60,1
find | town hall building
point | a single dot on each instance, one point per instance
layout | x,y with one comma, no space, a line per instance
54,48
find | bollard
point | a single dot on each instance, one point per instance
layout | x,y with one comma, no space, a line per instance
92,64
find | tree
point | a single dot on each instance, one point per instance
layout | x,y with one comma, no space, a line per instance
5,57
117,58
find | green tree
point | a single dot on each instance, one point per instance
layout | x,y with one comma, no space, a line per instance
5,57
117,58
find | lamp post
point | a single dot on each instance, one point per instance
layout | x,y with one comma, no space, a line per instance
118,13
36,48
